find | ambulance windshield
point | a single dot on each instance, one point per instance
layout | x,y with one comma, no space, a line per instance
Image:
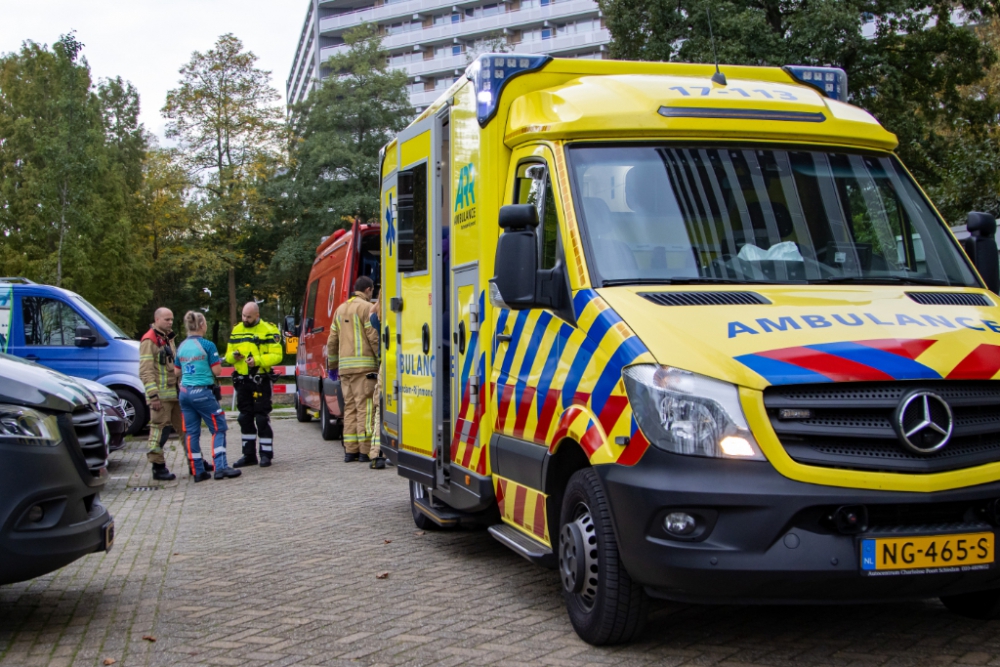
689,214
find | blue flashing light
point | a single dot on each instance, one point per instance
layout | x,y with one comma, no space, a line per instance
831,81
490,72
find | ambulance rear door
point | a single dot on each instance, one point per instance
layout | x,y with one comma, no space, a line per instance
417,181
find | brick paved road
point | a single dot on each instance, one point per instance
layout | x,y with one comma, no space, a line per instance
278,568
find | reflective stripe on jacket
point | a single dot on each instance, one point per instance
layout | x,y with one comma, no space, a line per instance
353,340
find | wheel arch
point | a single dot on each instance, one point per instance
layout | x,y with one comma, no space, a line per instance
566,458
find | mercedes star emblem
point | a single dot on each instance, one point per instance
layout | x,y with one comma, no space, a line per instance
923,422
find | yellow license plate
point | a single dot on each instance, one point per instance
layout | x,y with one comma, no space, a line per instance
881,556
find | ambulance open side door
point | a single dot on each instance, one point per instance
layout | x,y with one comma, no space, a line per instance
423,363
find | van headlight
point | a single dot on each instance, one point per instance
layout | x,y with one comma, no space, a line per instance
684,413
23,426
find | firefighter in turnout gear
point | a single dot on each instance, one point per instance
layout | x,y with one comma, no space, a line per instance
351,350
254,347
156,370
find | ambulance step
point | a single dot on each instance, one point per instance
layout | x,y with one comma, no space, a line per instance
442,516
523,545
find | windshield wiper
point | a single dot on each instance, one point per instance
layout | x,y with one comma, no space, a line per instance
885,280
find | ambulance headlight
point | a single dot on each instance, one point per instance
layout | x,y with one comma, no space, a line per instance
684,413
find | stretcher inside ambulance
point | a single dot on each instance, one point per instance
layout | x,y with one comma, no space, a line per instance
710,342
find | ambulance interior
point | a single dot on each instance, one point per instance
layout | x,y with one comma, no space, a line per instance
757,215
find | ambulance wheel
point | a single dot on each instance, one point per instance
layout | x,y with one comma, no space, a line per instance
605,606
330,427
422,521
301,411
982,605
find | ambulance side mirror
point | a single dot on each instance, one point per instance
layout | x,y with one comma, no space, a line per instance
291,326
981,246
518,283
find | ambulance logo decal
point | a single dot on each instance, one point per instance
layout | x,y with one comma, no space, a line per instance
465,198
390,228
866,361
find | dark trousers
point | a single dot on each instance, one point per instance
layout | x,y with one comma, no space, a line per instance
253,399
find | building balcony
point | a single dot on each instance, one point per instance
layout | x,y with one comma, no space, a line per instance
468,29
567,43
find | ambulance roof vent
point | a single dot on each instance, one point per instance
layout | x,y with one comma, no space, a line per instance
705,298
949,298
831,81
490,72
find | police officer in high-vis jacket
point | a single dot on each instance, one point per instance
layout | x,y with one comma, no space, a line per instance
254,348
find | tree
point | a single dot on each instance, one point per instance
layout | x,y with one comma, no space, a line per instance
336,135
907,61
70,165
224,117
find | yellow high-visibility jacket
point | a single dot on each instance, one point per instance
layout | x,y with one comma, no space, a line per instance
261,341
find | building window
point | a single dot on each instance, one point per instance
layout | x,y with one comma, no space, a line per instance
547,33
456,50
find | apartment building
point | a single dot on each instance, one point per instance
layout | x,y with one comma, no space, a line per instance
434,40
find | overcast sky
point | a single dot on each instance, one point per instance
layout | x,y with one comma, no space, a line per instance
147,41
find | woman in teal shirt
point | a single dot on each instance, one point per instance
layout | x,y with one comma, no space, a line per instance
198,362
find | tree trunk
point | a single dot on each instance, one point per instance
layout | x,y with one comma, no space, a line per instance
233,315
62,234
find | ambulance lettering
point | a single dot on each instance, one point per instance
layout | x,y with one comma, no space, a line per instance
789,323
418,364
465,198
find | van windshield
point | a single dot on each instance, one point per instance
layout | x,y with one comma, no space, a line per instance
690,214
97,315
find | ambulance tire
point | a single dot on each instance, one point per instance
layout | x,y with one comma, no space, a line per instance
330,427
605,606
982,605
422,521
302,413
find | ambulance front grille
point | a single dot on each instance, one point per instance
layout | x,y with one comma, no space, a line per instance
850,426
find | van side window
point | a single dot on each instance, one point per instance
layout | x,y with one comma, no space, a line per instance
49,322
535,187
411,208
311,306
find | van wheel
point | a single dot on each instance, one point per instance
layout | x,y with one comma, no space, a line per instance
605,606
136,413
983,605
331,428
301,412
421,520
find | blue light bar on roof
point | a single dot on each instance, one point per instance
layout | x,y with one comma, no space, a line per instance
831,81
489,73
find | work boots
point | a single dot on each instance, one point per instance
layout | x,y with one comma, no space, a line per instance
223,473
265,461
244,462
364,458
350,458
378,463
161,474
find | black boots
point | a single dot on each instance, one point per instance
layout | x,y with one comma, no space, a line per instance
202,476
244,462
265,461
378,463
223,473
350,458
364,458
161,474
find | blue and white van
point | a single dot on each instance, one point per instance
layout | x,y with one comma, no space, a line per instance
60,329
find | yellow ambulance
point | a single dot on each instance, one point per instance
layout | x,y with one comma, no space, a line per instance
689,334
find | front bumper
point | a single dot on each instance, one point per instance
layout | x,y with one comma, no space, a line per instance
73,523
765,538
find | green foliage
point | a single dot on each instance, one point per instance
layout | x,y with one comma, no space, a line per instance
229,130
70,169
908,67
333,170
